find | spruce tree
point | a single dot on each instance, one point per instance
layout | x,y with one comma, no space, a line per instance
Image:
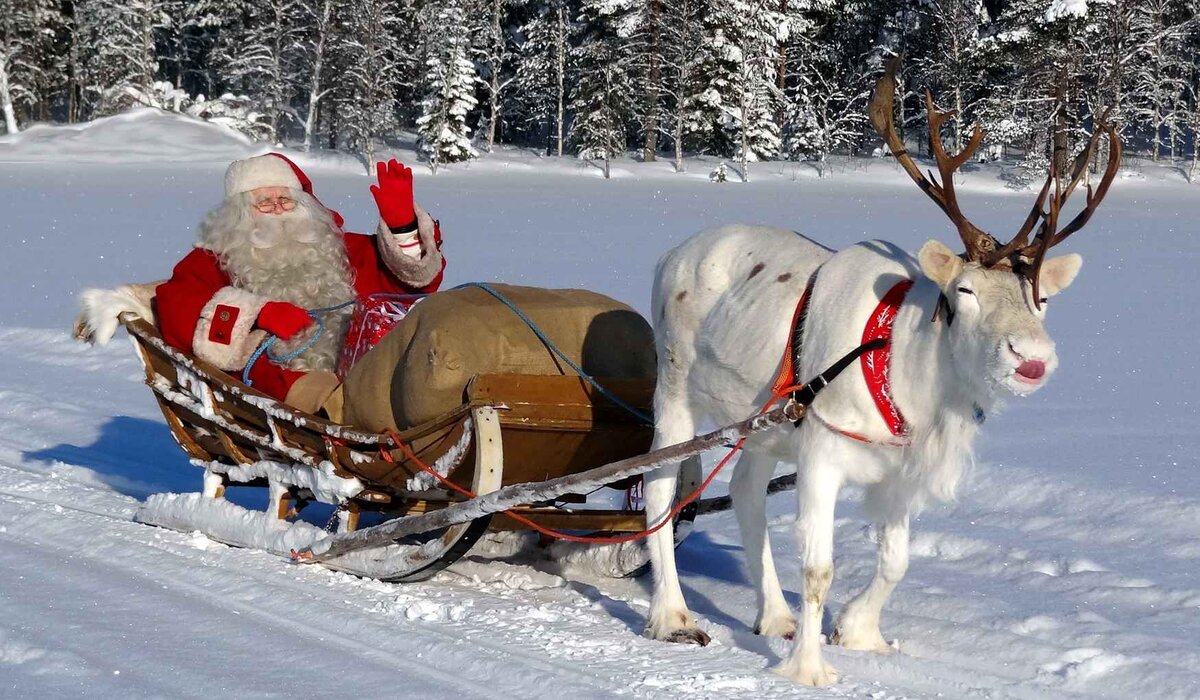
604,94
538,100
449,87
368,104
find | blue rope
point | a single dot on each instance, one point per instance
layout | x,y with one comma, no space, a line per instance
554,349
265,348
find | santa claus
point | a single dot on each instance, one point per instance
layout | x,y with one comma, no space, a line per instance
270,253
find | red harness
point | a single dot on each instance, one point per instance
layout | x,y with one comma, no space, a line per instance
876,364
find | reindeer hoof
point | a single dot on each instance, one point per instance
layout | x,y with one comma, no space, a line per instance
872,642
690,635
784,627
818,674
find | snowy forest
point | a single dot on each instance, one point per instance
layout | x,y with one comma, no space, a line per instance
746,80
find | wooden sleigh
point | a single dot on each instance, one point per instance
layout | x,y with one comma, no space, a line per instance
509,430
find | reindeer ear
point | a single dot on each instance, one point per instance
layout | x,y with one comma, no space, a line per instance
939,263
1058,273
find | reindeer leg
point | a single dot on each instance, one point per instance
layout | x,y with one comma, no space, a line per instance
817,490
858,624
670,620
749,491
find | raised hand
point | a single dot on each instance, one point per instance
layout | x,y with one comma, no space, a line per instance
283,319
394,194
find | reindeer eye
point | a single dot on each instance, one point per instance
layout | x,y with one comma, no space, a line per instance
965,290
1043,301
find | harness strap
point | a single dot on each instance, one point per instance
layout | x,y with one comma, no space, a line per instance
875,360
876,365
790,368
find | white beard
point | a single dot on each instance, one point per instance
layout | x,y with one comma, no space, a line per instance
298,257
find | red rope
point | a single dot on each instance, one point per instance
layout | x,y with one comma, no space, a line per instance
618,539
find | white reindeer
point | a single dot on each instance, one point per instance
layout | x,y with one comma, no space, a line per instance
967,334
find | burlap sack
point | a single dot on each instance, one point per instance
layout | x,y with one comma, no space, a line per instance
421,368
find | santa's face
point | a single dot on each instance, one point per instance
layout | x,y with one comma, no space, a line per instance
278,217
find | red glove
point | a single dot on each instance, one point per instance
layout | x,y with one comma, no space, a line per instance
282,319
394,194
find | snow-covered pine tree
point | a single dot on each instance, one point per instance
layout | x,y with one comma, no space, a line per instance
14,22
368,100
492,53
119,58
650,75
319,39
737,109
1160,71
1192,107
758,93
823,116
264,59
538,100
449,86
32,59
683,42
954,70
708,113
603,99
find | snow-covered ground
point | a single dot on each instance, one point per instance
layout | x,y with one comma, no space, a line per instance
1068,568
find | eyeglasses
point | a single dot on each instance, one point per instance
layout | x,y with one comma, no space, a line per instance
267,206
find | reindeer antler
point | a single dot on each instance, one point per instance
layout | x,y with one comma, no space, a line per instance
1047,236
980,246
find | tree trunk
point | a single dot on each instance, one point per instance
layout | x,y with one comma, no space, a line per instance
314,83
781,72
148,59
653,83
494,84
277,86
745,129
561,75
958,119
6,105
679,144
1195,155
493,109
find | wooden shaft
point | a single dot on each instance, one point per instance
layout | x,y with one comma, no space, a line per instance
518,494
705,506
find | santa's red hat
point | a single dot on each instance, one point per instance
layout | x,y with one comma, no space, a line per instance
260,171
270,170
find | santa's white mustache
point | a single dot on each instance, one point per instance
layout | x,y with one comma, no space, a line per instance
269,230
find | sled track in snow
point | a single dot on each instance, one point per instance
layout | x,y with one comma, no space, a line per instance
271,580
274,577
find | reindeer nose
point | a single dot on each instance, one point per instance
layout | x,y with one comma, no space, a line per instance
1032,369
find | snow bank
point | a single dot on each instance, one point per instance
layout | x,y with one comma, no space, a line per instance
138,136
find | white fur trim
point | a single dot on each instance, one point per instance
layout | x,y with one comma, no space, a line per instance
413,271
260,171
243,340
100,310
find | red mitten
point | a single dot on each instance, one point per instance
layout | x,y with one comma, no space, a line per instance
394,194
282,319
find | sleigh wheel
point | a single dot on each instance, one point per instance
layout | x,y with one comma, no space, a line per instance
690,475
445,547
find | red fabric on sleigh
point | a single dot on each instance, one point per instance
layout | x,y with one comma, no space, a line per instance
374,317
